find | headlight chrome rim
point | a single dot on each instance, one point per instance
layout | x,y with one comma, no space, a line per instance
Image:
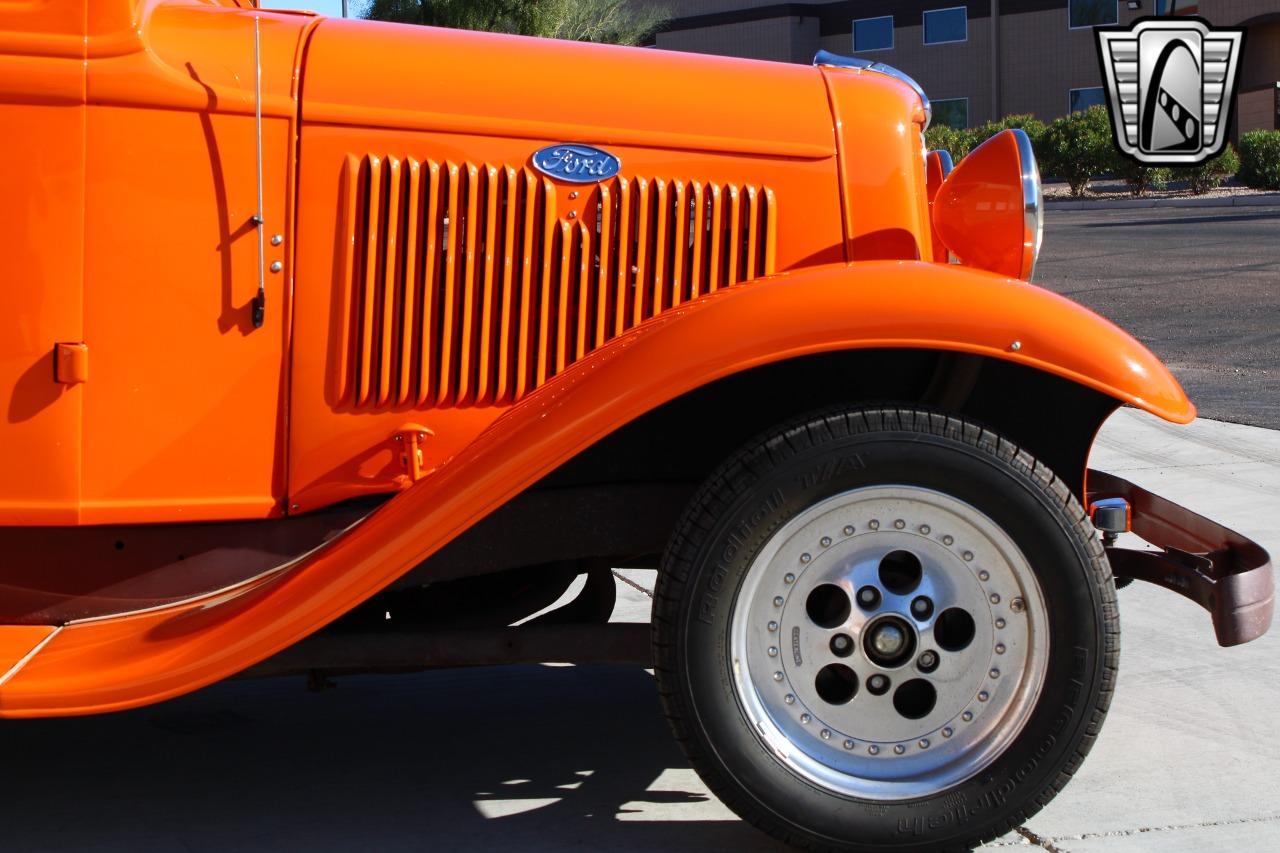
1032,204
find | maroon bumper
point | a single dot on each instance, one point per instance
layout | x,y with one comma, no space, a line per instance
1222,571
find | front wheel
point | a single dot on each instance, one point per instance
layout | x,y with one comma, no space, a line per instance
885,629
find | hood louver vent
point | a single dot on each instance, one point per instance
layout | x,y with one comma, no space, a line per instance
464,287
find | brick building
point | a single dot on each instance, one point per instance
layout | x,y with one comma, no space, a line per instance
977,59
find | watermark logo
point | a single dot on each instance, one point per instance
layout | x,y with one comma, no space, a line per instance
1170,88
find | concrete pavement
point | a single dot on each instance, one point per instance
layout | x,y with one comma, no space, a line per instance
555,758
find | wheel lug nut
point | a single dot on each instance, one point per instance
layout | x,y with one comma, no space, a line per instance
842,645
878,684
928,661
921,607
868,597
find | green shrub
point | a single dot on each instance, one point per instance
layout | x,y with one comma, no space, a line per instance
1210,174
1139,177
955,142
1077,147
1260,159
959,142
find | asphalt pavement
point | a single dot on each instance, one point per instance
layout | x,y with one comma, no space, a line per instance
1199,286
562,758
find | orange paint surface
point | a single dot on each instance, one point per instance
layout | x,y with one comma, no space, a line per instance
131,660
429,280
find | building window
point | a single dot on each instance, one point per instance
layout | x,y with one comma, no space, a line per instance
1092,13
952,112
946,25
873,33
1082,99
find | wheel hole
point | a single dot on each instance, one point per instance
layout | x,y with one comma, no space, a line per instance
828,606
836,683
954,629
914,699
900,572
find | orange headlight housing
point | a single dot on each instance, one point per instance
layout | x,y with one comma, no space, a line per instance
990,210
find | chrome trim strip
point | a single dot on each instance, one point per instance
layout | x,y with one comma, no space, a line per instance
17,667
1032,204
835,60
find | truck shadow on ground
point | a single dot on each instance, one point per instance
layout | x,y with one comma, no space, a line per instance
526,758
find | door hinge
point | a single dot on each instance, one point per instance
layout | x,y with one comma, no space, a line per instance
70,363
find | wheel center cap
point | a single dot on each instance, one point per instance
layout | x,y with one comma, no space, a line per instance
889,641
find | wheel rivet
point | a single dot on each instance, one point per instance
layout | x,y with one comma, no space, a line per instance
849,744
873,749
968,556
995,598
899,749
899,524
994,673
984,575
777,676
946,732
826,734
983,696
924,743
773,626
790,699
825,541
848,530
874,524
773,651
948,540
789,578
1000,622
967,716
999,648
777,601
805,718
1017,605
804,558
924,528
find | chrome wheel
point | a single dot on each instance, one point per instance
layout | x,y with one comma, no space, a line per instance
889,642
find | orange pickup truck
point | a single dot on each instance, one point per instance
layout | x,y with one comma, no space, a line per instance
336,346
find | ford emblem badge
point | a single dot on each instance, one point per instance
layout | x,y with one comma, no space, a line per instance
579,164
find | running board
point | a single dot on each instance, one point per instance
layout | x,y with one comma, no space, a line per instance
1227,574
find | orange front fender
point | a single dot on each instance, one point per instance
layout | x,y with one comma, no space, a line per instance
123,661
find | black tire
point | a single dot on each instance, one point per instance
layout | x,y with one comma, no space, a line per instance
755,493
